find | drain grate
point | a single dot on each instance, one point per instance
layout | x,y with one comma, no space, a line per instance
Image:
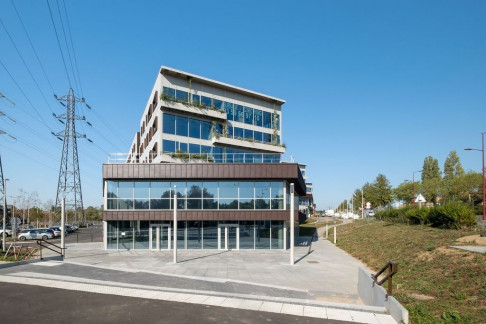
312,261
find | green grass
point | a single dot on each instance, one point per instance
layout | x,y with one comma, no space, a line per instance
311,225
455,279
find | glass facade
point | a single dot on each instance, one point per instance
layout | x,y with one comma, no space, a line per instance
199,129
140,195
193,235
234,112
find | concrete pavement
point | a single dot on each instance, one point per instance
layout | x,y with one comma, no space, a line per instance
322,283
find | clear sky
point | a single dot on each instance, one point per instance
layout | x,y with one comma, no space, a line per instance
371,86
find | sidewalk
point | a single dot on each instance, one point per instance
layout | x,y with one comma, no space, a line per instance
327,273
321,284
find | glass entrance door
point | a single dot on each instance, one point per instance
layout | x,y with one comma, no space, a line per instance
228,237
159,236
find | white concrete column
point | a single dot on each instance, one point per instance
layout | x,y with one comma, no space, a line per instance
285,236
105,235
292,225
63,226
175,224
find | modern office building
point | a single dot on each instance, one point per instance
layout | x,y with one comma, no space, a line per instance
306,202
217,148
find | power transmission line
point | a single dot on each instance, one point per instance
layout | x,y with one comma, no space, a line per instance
67,46
25,64
23,93
58,42
72,46
32,45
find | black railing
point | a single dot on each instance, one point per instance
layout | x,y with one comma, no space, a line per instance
50,246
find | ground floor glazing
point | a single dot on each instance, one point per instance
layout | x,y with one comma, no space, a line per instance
220,235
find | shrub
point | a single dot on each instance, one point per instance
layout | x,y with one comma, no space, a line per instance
418,216
451,215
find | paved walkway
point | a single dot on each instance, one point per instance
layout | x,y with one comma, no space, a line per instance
321,284
471,248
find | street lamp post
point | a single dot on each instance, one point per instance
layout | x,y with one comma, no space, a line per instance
362,201
484,193
4,223
413,185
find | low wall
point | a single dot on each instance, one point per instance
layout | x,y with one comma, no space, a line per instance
376,296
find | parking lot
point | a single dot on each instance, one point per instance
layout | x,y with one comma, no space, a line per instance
83,235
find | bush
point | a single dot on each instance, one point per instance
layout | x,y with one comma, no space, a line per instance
418,216
451,215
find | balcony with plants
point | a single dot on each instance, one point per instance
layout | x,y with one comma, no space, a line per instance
220,135
169,102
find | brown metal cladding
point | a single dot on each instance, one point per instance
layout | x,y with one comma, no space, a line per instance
186,215
203,171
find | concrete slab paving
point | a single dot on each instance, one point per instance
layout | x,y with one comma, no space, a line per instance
472,248
331,276
260,280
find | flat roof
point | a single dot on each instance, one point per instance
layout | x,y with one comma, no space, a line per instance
221,85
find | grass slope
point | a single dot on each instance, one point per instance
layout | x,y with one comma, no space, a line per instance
434,282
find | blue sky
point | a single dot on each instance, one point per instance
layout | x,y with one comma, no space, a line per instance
371,86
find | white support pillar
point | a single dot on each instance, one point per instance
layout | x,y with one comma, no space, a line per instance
292,225
175,224
105,235
63,226
335,237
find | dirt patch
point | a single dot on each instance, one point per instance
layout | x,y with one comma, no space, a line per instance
472,240
421,297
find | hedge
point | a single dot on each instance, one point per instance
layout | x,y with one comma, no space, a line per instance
450,215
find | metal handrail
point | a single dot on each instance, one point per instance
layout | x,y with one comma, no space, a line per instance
392,267
40,243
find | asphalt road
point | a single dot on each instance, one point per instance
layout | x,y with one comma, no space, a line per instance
33,304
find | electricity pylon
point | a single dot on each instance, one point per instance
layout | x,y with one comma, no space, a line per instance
69,182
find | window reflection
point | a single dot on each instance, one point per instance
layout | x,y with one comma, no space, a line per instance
195,194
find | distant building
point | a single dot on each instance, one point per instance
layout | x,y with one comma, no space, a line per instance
219,147
306,203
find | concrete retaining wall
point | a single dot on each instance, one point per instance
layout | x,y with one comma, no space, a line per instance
376,296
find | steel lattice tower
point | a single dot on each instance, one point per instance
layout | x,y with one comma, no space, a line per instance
69,183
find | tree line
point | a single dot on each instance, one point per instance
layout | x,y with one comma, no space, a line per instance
31,210
436,185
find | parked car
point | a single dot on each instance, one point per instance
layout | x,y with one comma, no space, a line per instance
57,230
34,234
371,214
8,231
47,230
69,228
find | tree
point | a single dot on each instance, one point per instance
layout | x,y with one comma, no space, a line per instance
452,167
343,206
383,190
404,191
93,214
369,193
357,199
431,169
431,189
454,185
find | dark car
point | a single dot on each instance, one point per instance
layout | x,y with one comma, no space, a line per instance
70,229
